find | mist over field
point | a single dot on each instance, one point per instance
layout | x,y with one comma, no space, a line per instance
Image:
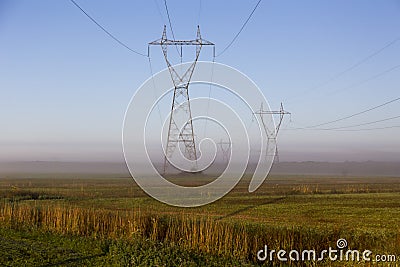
367,168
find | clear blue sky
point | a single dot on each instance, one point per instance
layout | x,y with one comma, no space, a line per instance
65,85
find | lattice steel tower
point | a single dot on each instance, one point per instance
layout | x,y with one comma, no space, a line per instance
272,135
181,99
225,149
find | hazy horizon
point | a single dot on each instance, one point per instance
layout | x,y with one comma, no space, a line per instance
116,169
95,152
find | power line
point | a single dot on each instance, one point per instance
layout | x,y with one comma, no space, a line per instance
169,19
104,30
198,15
365,59
170,26
352,67
241,29
363,124
159,11
155,91
368,79
358,113
209,95
369,129
348,117
353,130
349,126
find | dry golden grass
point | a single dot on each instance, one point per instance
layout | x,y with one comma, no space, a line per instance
209,235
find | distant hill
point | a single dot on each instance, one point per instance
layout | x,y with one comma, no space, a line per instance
29,168
368,168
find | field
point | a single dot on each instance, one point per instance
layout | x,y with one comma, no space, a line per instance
106,220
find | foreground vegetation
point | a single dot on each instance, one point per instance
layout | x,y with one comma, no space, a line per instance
109,221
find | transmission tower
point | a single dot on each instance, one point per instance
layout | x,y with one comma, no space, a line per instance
272,135
180,100
225,149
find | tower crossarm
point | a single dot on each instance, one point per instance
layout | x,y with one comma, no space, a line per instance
177,42
282,112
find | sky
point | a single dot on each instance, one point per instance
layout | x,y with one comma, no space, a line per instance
65,84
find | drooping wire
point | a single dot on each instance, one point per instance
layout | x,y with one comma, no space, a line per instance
355,125
368,129
107,32
159,12
363,124
241,29
350,68
155,91
199,13
348,87
169,19
170,26
368,79
347,117
209,96
354,130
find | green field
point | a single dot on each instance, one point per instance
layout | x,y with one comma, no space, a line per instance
94,220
